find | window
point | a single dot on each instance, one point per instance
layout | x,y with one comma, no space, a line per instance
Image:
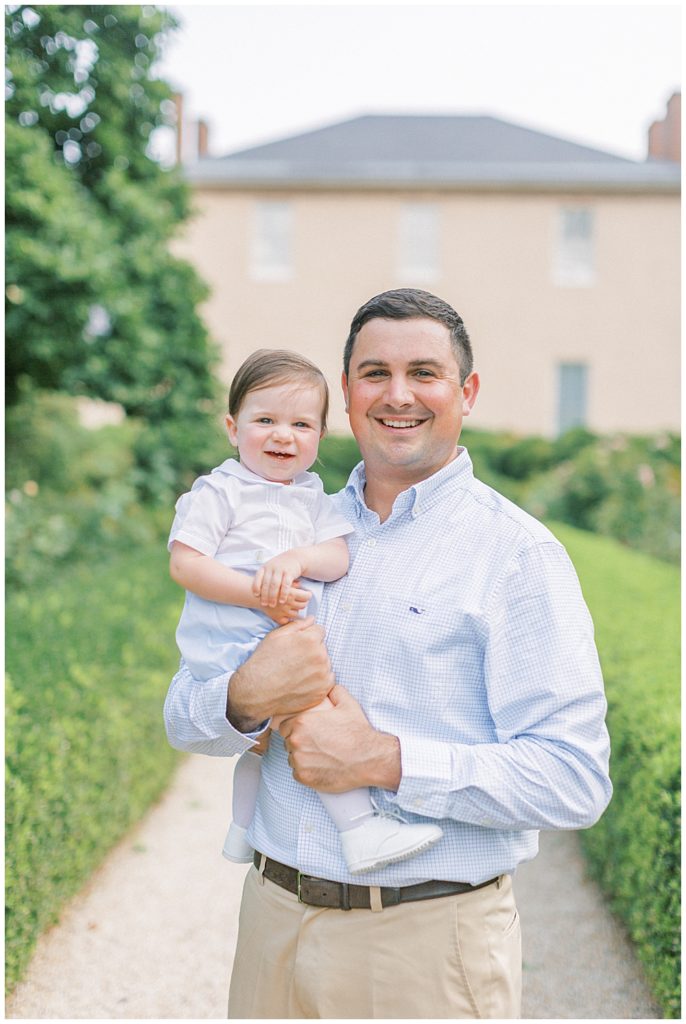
271,250
418,243
574,257
572,391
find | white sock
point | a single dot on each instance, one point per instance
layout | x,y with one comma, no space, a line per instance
348,810
246,781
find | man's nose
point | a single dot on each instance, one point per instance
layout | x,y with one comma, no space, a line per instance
398,391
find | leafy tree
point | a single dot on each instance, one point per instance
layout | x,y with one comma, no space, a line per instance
97,303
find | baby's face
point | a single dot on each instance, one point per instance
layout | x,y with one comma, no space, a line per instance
277,430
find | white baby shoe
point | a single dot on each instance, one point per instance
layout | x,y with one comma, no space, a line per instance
384,839
236,846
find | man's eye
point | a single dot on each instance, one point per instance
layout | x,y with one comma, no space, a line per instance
376,373
423,373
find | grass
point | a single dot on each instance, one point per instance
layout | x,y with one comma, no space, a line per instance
89,658
634,851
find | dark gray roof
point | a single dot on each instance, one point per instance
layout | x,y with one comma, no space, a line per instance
439,150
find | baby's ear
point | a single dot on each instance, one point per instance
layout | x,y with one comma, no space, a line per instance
231,430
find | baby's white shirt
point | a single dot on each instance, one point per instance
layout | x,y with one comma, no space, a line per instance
242,520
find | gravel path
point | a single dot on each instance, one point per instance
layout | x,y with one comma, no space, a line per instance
152,934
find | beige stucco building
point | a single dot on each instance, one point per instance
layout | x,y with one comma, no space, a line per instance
562,260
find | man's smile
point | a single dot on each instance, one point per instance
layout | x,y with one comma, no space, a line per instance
397,424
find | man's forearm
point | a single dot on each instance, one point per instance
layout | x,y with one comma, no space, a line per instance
385,765
195,717
243,708
288,672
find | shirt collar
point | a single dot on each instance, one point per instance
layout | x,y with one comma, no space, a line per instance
232,467
424,495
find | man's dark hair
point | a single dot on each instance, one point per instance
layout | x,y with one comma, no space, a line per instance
409,304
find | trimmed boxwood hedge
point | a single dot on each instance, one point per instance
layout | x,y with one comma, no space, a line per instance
89,659
634,850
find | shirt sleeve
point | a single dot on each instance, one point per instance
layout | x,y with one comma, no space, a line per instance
203,516
195,717
328,522
549,766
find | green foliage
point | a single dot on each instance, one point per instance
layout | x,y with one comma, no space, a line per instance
338,455
96,303
620,486
71,491
634,850
86,751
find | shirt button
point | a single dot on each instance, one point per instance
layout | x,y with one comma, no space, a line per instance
418,802
371,543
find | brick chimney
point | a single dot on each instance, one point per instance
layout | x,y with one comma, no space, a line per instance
664,137
203,139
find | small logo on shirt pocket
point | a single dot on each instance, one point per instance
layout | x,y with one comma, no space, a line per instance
417,609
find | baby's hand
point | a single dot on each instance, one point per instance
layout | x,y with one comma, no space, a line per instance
273,581
288,610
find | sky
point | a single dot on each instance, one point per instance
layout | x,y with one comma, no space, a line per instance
595,74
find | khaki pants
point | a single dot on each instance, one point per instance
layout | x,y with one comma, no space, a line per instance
453,957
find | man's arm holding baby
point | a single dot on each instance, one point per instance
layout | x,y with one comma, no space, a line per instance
289,672
339,749
223,716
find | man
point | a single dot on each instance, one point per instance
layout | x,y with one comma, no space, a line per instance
466,687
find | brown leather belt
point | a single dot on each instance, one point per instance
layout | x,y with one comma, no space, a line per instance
319,892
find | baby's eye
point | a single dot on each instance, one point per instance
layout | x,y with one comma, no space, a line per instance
302,424
264,419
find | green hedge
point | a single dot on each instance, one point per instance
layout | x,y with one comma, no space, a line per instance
634,851
89,660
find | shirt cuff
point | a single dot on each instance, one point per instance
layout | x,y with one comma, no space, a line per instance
426,782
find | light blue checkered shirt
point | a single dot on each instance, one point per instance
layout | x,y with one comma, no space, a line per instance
461,629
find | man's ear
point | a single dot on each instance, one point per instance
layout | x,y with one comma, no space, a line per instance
344,385
470,389
232,430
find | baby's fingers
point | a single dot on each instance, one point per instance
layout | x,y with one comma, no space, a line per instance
257,582
285,588
299,598
271,588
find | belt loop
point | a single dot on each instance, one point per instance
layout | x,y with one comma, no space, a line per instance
345,897
375,904
499,881
261,867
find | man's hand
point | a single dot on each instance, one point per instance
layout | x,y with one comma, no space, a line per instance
288,672
336,749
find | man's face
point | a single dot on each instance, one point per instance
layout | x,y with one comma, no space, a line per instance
404,398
